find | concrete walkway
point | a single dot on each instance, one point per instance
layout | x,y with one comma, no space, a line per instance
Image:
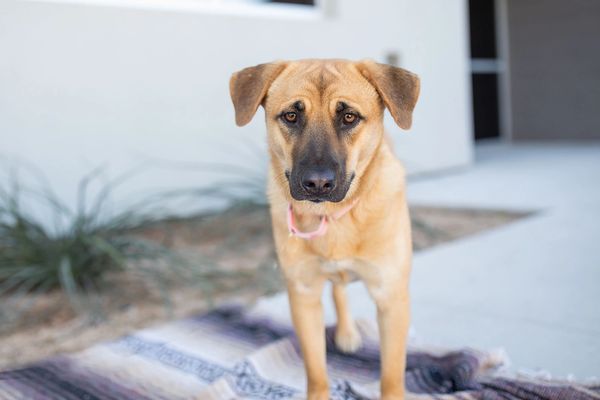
531,287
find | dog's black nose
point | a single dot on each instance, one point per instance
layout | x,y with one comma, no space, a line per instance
318,181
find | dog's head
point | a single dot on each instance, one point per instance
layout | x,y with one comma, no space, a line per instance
324,118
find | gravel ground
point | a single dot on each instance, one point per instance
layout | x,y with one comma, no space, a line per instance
238,242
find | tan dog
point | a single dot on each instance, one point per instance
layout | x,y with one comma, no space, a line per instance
337,197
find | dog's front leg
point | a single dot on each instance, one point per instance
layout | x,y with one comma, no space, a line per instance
393,316
307,316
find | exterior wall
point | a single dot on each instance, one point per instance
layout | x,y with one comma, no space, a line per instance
118,83
555,68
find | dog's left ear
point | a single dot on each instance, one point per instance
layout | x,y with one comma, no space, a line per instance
249,87
398,88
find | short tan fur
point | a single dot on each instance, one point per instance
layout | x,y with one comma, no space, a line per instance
373,240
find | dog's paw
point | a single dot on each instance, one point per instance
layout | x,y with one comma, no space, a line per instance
348,340
320,395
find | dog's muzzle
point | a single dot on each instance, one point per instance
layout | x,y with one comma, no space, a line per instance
318,184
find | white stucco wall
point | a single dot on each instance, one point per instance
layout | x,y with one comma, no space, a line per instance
88,83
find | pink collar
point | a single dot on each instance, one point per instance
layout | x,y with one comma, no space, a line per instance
322,229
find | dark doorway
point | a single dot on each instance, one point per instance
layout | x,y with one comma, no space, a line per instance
486,119
484,69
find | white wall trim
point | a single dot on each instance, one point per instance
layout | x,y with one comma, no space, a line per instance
504,94
468,82
215,7
487,66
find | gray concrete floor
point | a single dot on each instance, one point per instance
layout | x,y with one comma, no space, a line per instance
531,287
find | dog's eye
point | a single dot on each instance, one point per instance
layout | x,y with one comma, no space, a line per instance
350,118
290,117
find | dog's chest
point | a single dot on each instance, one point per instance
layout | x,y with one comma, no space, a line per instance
334,266
343,270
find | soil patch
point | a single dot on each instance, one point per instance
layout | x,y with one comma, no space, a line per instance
235,247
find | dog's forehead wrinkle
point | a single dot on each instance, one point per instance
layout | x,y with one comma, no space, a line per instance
333,69
319,83
319,78
322,85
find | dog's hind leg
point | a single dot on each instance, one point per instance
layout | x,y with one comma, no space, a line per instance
347,336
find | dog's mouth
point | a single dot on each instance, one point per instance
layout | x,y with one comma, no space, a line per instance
316,200
302,192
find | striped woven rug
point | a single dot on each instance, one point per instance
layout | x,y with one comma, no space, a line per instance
232,354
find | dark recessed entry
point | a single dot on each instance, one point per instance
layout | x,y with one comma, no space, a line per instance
482,26
486,119
484,62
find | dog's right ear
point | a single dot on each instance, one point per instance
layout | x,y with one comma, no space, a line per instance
248,89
